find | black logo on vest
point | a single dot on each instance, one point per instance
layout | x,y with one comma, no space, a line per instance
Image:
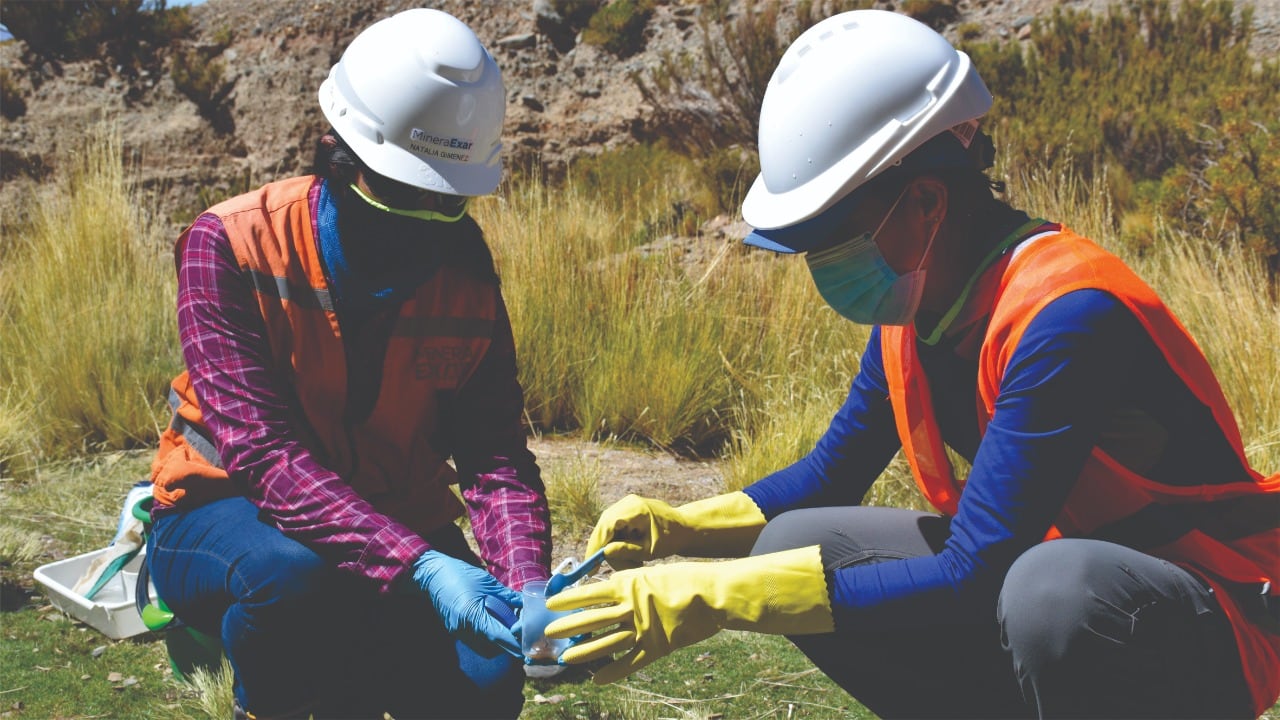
442,365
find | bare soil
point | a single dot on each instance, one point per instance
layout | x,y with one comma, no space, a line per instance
624,470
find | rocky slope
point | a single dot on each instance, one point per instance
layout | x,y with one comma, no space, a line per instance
565,97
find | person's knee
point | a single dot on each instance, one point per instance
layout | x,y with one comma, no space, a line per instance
788,531
854,535
1045,602
298,578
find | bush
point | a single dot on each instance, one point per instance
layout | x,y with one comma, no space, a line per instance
125,33
576,13
1173,99
1232,186
619,26
199,77
937,14
12,103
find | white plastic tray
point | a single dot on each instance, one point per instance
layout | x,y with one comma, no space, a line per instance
111,611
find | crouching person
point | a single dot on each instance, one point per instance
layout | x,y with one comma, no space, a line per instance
344,337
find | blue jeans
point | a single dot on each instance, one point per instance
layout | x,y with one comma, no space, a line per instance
304,638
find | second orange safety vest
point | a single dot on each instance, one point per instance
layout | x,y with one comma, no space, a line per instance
1227,533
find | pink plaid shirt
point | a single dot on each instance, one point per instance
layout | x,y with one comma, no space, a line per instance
249,414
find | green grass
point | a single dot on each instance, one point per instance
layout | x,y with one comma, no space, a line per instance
624,336
732,675
55,667
573,494
48,665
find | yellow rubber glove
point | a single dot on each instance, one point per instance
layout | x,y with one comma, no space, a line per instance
637,529
662,608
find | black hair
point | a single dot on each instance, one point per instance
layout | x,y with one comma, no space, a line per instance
335,160
982,150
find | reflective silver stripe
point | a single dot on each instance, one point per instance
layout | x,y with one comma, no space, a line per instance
437,326
190,433
279,287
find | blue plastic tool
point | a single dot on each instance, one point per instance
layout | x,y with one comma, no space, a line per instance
500,610
560,581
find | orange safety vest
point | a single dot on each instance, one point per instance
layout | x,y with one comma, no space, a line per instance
1229,535
438,339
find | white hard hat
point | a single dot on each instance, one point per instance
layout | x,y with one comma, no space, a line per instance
420,100
850,98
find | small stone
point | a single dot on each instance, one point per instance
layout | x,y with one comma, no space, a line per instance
518,42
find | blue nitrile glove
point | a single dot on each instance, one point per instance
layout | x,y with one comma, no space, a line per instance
458,590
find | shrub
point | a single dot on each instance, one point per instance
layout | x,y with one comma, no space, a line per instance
12,103
1174,99
1232,186
937,14
969,31
619,26
573,493
712,96
126,33
576,13
199,77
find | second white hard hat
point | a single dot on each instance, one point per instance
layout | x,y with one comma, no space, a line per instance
419,99
851,97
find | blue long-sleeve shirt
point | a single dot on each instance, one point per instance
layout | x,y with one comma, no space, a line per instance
1084,374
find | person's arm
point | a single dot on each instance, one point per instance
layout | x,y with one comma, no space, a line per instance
851,454
499,478
250,417
1067,374
854,450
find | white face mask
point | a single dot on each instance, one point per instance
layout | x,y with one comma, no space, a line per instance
858,283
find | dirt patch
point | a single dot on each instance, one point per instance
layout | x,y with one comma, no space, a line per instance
650,473
621,471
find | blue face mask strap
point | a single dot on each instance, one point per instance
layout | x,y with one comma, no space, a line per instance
950,316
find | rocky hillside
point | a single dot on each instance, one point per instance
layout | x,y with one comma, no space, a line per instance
565,96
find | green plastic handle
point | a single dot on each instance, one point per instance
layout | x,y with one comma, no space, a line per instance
142,510
154,618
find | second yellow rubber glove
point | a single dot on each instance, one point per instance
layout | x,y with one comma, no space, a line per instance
663,608
636,529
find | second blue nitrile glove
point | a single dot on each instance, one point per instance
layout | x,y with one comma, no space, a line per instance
458,591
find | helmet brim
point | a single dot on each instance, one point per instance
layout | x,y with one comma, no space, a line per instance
821,230
941,153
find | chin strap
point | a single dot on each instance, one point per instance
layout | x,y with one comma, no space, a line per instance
949,317
415,214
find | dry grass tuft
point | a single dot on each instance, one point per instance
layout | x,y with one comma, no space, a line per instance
86,317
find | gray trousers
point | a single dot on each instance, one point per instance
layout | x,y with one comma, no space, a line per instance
1082,629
